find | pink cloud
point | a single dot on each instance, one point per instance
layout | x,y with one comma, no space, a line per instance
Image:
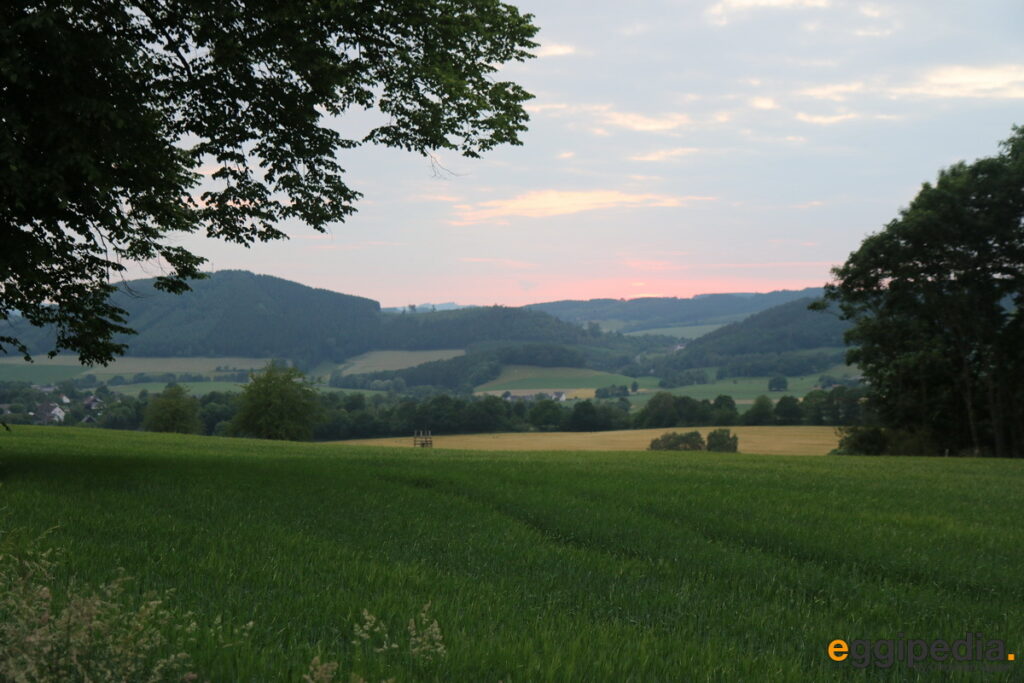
545,203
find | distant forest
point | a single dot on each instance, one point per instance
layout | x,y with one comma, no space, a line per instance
237,313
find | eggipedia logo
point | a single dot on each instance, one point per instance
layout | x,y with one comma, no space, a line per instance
970,652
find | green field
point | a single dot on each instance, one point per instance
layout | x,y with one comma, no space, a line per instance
532,377
745,389
685,331
44,370
375,361
549,566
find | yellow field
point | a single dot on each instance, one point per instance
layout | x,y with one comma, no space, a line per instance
374,361
766,440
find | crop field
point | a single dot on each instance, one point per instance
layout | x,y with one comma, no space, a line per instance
538,566
67,367
534,378
685,331
766,440
374,361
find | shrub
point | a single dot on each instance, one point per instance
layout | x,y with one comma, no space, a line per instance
723,441
674,441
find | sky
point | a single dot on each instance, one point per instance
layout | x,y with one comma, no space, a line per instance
676,148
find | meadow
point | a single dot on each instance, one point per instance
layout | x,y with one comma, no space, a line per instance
66,366
375,361
765,440
532,378
540,566
682,331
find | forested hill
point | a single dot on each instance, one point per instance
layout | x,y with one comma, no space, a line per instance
788,339
238,313
654,312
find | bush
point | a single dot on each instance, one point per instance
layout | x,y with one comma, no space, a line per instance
861,441
674,441
723,441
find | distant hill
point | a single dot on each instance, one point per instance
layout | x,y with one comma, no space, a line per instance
657,312
238,313
787,339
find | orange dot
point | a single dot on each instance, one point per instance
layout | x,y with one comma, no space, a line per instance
1011,656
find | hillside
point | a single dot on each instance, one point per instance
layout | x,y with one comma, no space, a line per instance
788,340
238,313
658,312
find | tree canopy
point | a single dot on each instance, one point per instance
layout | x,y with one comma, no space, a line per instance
129,124
277,403
936,300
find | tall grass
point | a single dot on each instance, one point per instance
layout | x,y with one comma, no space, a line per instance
537,566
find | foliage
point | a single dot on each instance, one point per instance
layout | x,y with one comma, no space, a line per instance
674,441
723,441
140,95
787,411
936,303
172,410
778,383
277,403
84,636
762,412
858,440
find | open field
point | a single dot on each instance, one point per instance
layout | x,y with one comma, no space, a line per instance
687,331
67,367
374,361
546,566
768,440
533,378
745,389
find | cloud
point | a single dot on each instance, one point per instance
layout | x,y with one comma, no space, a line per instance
664,154
873,11
544,203
990,82
508,263
555,50
874,32
605,115
836,92
825,120
721,12
566,155
809,205
644,123
763,103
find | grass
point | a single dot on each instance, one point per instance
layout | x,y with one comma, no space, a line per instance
65,366
541,566
768,440
687,331
374,361
745,389
529,378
